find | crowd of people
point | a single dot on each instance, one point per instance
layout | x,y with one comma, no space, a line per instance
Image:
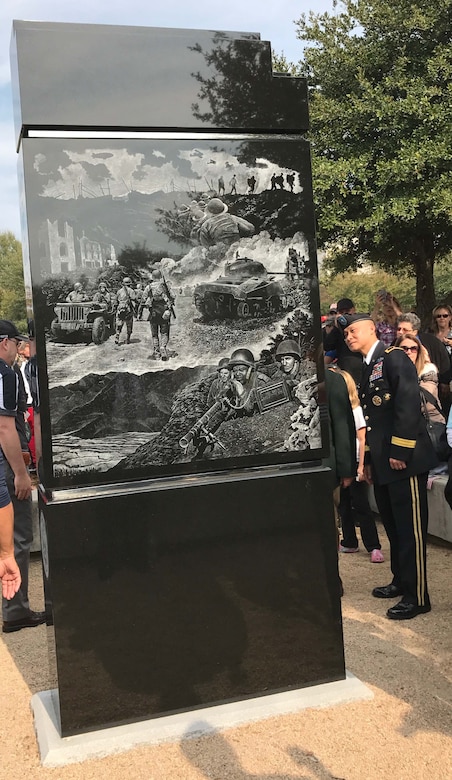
398,380
389,401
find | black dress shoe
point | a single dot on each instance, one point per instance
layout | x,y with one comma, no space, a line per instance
30,621
405,611
387,592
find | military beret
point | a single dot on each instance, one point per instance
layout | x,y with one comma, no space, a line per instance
344,320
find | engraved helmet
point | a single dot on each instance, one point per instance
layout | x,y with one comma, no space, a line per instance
223,363
241,357
127,280
216,206
288,347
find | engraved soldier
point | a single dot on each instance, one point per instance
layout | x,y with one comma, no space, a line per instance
139,299
292,265
103,297
220,226
288,354
238,399
246,381
77,295
124,313
290,179
159,301
398,458
222,384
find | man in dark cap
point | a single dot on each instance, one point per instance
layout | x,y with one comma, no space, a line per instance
14,444
398,458
333,341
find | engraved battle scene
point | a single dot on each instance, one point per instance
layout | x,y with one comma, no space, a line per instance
174,284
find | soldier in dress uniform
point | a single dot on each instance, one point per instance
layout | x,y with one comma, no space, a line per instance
398,457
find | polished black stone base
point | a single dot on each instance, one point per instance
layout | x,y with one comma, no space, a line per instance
200,593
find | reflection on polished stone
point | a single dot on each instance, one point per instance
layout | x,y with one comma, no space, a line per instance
158,78
176,599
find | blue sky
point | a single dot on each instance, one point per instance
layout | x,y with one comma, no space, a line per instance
275,21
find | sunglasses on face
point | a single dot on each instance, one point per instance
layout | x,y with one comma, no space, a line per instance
12,338
440,316
411,349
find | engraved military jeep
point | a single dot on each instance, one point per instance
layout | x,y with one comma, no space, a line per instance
88,320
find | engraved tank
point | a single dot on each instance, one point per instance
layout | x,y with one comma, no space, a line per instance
244,290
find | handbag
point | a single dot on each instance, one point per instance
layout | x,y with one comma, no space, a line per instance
436,430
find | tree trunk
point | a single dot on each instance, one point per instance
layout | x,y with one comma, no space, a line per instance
424,261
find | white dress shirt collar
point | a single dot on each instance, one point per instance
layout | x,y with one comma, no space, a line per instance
369,355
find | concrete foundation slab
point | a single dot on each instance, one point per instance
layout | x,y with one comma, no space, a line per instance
57,751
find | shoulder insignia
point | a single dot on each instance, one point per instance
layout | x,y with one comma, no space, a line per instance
390,349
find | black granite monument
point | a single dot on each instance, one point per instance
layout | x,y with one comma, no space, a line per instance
189,544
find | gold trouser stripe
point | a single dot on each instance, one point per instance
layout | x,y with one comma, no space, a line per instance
410,443
419,541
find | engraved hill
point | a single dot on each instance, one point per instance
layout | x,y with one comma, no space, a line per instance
105,405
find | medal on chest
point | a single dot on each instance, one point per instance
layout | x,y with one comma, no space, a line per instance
377,371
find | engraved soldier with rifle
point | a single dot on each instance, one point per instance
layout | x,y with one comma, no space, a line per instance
238,399
125,309
158,299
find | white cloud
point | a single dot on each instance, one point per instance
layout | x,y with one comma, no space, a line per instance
274,21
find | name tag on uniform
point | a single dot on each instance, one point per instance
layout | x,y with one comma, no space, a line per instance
377,371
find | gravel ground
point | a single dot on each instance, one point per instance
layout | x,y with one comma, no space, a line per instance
404,733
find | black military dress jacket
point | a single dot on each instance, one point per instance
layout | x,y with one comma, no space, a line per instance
396,428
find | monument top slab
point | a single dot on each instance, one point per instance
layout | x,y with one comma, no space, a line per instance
105,77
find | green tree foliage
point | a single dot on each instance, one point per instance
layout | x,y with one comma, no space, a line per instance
443,279
362,288
12,293
380,77
280,64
